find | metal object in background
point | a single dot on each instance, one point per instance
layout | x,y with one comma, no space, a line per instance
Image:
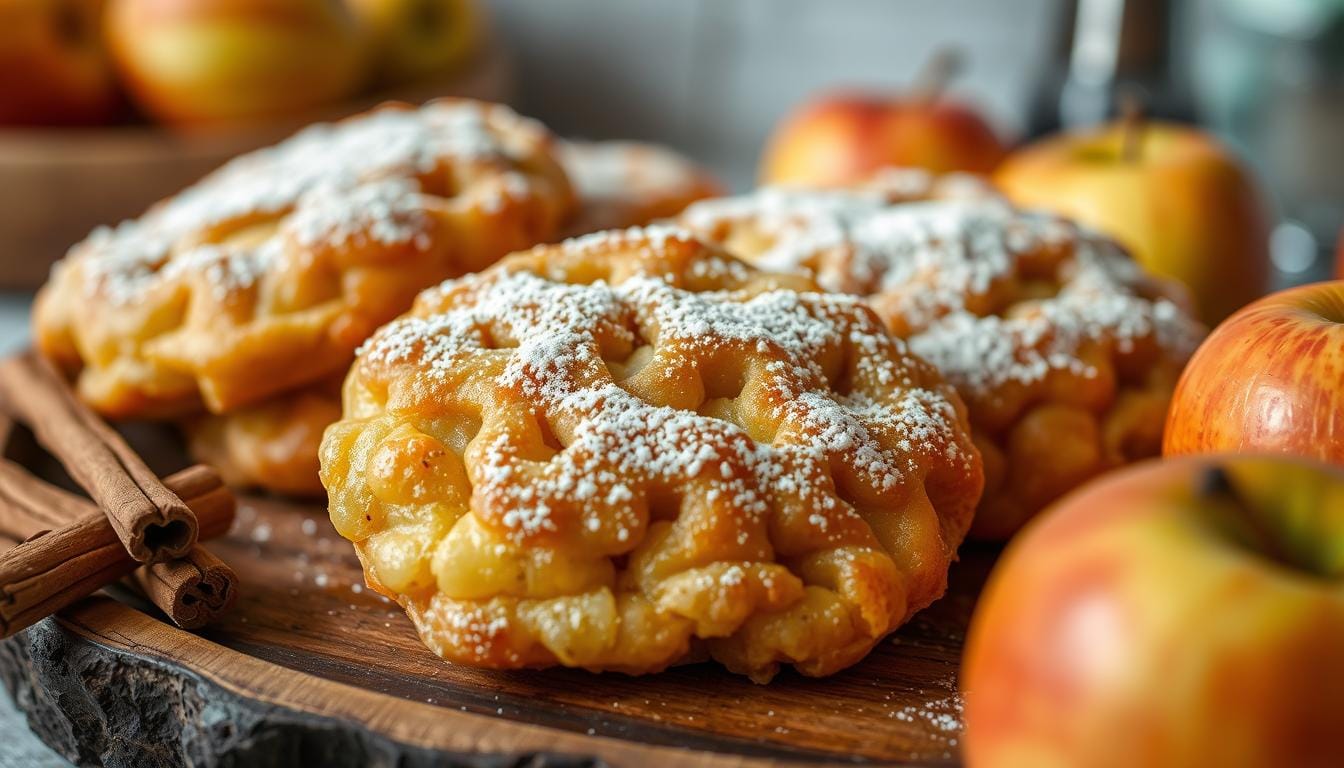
1269,76
1108,47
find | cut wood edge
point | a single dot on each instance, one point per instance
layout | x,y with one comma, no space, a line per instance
138,639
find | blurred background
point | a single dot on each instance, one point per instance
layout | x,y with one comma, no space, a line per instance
107,105
713,77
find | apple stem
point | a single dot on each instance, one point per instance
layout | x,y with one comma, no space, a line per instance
1132,120
943,65
1218,486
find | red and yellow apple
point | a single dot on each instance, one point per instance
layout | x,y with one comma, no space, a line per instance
1178,200
1268,380
1177,613
843,138
54,69
211,61
414,39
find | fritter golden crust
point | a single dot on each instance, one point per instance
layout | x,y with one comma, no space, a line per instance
1064,350
270,445
268,273
629,448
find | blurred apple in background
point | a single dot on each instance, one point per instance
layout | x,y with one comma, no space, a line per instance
1171,194
211,61
54,69
414,39
1178,613
1269,379
843,138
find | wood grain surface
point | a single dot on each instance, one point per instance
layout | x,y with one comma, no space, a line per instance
310,659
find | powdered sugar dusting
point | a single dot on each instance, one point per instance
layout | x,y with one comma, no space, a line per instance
617,444
617,170
936,270
390,211
797,224
352,179
631,456
655,237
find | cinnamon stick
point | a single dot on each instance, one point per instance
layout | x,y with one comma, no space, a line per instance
191,591
50,571
71,550
152,522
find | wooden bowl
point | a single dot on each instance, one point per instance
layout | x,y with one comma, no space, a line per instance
58,184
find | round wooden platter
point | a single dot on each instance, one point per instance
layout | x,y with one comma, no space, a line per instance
312,668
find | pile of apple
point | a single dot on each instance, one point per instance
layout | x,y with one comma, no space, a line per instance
1187,611
192,62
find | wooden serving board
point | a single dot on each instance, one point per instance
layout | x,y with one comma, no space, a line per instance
312,668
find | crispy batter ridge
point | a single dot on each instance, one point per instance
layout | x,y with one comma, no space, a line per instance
268,273
1064,350
616,451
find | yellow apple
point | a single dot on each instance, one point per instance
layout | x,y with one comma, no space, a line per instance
1178,200
54,69
413,39
210,61
1179,613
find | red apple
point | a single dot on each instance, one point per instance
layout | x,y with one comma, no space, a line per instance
1178,613
414,39
210,61
1177,199
843,138
1269,379
54,69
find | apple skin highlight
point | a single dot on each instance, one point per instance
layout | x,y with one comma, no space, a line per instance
1270,380
844,138
1149,619
201,62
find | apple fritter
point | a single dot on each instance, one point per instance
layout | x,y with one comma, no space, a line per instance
267,274
631,449
1064,350
272,444
623,183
